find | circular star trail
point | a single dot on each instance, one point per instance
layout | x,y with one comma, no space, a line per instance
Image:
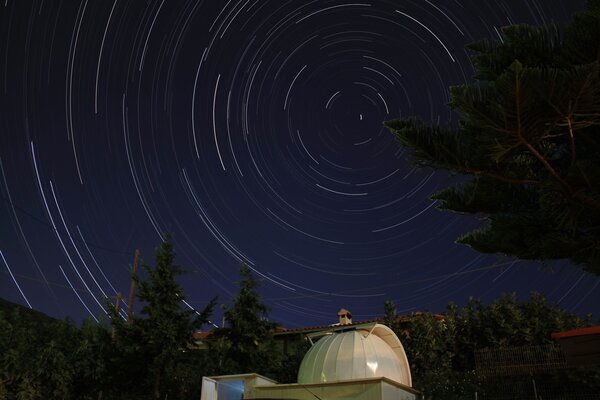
252,130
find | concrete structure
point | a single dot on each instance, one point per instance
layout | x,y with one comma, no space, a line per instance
233,387
350,362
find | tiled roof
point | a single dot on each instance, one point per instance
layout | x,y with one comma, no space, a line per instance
592,330
201,335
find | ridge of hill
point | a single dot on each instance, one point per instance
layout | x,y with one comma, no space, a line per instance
8,308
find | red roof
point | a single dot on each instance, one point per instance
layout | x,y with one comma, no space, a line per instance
592,330
201,335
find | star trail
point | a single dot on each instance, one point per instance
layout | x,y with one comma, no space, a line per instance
252,130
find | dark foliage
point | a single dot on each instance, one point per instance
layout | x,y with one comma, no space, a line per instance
41,357
529,139
151,348
246,344
441,351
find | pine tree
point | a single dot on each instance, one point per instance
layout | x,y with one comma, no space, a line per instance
153,343
529,141
390,316
246,343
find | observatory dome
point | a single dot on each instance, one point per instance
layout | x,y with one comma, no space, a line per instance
359,353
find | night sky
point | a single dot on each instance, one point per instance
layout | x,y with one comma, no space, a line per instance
251,130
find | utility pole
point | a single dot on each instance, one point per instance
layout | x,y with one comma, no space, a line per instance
132,287
117,309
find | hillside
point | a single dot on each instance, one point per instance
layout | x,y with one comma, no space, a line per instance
8,308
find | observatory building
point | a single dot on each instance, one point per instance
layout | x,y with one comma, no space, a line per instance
346,361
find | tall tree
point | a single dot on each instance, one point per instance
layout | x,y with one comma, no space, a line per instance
246,343
156,339
90,359
390,316
529,142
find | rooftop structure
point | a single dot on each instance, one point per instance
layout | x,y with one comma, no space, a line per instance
364,351
347,361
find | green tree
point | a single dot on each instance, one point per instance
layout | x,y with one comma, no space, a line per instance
149,349
293,351
507,322
390,316
90,360
441,351
41,357
430,344
529,141
246,344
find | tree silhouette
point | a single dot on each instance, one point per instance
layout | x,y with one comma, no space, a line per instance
529,142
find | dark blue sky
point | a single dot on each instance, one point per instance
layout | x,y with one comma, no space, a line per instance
252,130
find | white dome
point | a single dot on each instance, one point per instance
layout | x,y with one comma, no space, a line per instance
356,354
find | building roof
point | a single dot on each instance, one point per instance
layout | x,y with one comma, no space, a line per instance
281,331
200,335
308,329
581,346
592,330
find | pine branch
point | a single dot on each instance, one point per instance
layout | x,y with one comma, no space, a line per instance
500,177
573,155
586,200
